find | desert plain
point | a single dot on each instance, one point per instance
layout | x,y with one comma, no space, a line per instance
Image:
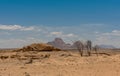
59,63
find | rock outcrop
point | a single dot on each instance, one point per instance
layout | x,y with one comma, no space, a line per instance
59,43
38,47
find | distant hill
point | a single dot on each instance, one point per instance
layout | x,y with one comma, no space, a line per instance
59,43
107,46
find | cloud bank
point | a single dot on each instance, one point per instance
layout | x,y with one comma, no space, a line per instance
12,36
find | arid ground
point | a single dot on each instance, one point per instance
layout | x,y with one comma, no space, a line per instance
58,63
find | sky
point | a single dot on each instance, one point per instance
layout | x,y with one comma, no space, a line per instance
23,22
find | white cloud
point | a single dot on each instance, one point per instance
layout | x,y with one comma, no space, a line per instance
113,33
56,33
71,35
61,34
96,32
27,29
15,27
109,38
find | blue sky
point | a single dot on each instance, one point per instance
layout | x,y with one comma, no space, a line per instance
26,21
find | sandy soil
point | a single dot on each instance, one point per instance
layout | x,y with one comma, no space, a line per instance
59,63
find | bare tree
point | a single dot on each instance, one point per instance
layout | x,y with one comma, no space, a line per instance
96,48
89,47
79,45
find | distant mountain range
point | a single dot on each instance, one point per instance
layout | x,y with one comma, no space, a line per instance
107,46
59,43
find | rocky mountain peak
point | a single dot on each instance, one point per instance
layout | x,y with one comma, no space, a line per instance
59,43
